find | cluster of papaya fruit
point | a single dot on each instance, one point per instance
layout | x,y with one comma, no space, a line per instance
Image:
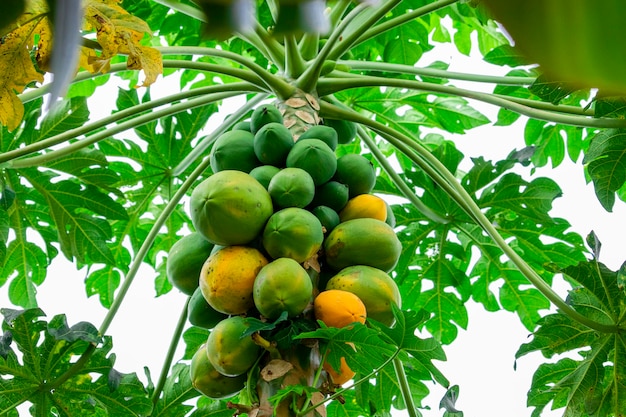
282,226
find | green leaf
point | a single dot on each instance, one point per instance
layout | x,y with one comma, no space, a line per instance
606,164
70,114
104,282
550,90
505,55
448,402
85,331
29,262
194,337
448,113
176,391
609,106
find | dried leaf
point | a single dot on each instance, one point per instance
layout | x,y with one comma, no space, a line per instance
17,71
275,369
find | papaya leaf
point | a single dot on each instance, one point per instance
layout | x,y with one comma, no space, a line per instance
592,383
609,106
194,337
606,164
448,402
505,55
550,90
176,391
349,407
48,352
70,114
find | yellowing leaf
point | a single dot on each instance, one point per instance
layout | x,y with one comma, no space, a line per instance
17,71
119,32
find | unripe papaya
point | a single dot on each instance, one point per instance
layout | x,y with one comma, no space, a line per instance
234,150
200,313
362,242
346,130
208,381
291,187
185,260
332,194
357,172
272,143
282,285
293,233
230,208
326,134
230,353
315,157
327,216
263,115
264,174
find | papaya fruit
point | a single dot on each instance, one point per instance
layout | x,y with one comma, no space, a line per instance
341,376
184,261
228,351
293,233
243,125
234,150
374,287
272,143
346,130
264,114
208,381
326,134
315,157
327,216
338,308
357,172
282,285
200,313
391,218
362,242
264,174
291,187
364,206
332,194
230,208
227,278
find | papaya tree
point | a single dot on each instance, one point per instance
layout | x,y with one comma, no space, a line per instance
323,232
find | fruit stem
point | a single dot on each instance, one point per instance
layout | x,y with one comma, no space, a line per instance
327,86
204,143
274,49
425,160
434,72
310,76
406,191
398,366
294,63
171,351
360,26
397,21
122,114
130,124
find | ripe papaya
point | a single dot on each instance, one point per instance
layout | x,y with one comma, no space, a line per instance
332,194
326,134
341,376
200,313
230,353
234,150
263,115
293,233
346,130
374,287
282,285
264,174
185,260
357,172
227,278
315,157
327,216
291,187
230,208
272,143
208,381
362,242
364,206
338,308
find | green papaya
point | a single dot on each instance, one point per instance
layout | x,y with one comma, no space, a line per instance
185,260
332,194
315,157
357,172
200,313
363,241
264,174
346,130
291,187
272,143
208,381
293,233
234,150
326,134
263,115
230,208
229,352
